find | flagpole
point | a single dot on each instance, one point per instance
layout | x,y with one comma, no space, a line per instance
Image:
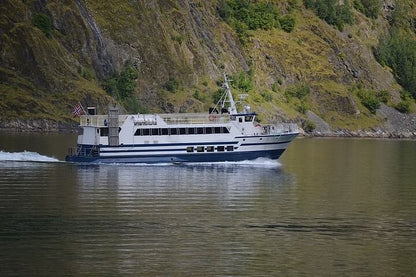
83,108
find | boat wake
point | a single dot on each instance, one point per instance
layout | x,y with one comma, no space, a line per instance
260,162
25,156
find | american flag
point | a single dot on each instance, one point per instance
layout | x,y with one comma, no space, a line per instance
78,110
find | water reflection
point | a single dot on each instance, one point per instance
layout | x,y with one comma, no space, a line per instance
335,207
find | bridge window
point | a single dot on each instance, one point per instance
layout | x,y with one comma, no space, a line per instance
248,118
104,132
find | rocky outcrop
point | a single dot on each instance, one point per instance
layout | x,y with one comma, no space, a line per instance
38,126
43,75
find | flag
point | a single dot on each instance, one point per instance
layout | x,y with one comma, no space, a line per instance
78,110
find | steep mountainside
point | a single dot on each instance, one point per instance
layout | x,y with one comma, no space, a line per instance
56,53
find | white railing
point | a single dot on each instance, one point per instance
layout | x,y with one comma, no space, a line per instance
174,119
99,120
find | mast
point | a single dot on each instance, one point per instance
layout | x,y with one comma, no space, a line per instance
233,109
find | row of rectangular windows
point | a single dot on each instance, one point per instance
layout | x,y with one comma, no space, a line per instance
181,131
210,148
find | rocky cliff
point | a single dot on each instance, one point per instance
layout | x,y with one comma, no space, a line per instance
56,53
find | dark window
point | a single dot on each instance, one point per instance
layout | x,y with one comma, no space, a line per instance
155,132
230,148
190,149
232,118
199,130
220,148
173,131
248,118
191,131
138,132
104,132
208,130
182,131
224,130
164,131
240,119
200,149
210,148
217,130
145,132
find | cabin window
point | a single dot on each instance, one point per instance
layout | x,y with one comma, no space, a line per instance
232,118
182,131
248,118
173,131
138,132
190,149
104,132
220,148
199,130
191,131
208,130
230,148
155,132
240,119
210,148
146,132
200,149
225,130
217,130
164,131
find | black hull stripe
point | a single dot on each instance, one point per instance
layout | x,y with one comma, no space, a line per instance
169,144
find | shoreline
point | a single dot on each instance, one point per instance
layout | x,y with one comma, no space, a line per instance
49,127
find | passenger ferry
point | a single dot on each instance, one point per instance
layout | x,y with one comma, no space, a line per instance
217,136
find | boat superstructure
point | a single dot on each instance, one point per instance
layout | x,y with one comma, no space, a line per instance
226,135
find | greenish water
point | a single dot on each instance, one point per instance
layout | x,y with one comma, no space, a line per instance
330,207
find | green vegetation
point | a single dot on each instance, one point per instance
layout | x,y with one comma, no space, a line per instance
242,81
372,99
122,85
248,15
369,100
398,48
308,126
404,106
371,8
332,12
43,23
172,84
287,23
299,91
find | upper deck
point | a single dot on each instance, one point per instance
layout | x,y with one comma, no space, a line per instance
157,119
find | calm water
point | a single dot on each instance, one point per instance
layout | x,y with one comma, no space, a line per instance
331,207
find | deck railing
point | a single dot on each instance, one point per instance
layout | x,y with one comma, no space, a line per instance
173,119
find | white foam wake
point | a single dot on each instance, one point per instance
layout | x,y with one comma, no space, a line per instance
25,156
260,162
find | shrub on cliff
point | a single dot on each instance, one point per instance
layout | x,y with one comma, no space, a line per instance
43,23
332,12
